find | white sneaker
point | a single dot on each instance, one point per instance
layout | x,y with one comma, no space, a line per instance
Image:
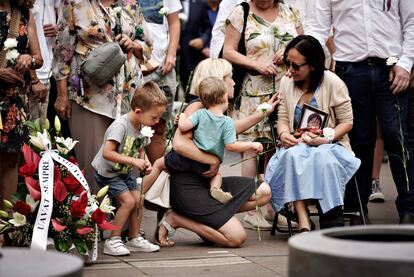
115,247
139,244
256,220
376,195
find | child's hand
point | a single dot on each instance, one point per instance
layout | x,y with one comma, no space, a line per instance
257,147
182,117
148,168
141,164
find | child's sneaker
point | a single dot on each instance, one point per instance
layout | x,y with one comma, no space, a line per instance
139,244
115,247
220,195
376,195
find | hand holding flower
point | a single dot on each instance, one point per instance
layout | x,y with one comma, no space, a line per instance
257,147
23,63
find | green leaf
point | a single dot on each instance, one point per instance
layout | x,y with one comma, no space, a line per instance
31,125
80,246
63,245
253,36
260,20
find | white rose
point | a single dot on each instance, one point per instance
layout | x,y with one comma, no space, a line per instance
182,17
147,132
391,61
164,11
264,107
329,133
12,55
118,10
10,43
68,144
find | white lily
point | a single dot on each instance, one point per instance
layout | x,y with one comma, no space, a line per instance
18,220
57,124
31,202
68,143
12,55
147,132
164,11
391,61
106,206
102,192
41,140
10,43
264,107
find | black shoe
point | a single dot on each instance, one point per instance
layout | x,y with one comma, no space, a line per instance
407,219
356,219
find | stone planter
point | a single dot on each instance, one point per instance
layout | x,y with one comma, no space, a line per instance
376,250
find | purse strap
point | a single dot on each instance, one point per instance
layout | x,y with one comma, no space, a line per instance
12,33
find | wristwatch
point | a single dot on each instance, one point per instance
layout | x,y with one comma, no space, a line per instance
33,64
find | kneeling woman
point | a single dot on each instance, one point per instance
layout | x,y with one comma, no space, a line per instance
312,166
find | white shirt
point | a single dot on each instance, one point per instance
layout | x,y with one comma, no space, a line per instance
217,34
158,25
44,12
365,28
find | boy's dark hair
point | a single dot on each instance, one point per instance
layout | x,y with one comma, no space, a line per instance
148,96
212,91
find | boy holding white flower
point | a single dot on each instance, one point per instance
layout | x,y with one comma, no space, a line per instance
122,150
213,132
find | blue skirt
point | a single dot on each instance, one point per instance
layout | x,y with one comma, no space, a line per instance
303,172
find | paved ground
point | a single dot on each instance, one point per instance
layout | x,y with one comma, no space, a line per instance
268,257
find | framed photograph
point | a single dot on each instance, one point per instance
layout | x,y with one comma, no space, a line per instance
312,117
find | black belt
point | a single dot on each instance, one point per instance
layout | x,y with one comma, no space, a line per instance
369,61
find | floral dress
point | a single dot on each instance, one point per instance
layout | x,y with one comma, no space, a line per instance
263,39
13,98
83,26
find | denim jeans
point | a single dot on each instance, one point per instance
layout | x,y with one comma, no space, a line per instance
369,88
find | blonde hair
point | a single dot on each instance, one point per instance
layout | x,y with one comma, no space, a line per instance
212,91
210,67
148,96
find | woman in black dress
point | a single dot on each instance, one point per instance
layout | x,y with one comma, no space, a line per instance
192,206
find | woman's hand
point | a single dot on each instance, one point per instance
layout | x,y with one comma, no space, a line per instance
40,90
265,68
288,140
10,75
62,106
278,57
50,30
312,139
127,44
23,63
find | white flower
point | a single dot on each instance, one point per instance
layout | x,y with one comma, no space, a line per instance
41,140
18,220
182,16
10,43
4,225
68,144
391,61
118,10
57,124
106,206
264,107
329,133
164,11
12,55
31,202
147,132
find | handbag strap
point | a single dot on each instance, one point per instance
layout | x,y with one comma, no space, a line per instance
13,32
242,44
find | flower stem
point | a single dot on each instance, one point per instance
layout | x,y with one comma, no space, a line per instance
256,196
404,157
256,156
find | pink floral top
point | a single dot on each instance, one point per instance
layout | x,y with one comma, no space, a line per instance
83,26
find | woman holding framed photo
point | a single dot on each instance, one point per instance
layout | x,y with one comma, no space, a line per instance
312,166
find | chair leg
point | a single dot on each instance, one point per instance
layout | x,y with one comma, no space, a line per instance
361,210
274,225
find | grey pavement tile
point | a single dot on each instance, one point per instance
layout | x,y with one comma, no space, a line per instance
278,264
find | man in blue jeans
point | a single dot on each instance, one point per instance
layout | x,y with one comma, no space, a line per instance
374,56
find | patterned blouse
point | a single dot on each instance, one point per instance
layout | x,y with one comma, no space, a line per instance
84,25
263,39
13,98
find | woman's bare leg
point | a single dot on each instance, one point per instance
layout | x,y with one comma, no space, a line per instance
149,179
302,212
231,234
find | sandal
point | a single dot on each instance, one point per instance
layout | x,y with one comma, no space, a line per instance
170,233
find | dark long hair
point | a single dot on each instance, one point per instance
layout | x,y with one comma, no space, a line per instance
312,50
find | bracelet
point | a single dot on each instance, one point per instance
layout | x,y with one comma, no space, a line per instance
35,82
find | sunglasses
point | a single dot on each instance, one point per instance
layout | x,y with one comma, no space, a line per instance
295,66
